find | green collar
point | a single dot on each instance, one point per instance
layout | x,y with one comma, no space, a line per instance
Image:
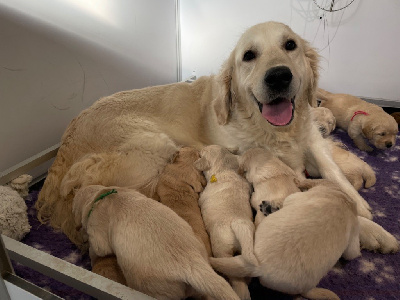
102,196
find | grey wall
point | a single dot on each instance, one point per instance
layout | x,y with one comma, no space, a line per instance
58,57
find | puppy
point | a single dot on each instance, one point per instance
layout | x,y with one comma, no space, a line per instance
108,267
361,120
225,207
272,180
155,248
178,188
297,245
324,119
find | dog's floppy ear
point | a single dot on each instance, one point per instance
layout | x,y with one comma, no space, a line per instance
223,103
202,164
368,130
312,58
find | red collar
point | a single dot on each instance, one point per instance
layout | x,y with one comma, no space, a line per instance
359,112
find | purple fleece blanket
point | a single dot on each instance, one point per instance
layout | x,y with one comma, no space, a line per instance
371,276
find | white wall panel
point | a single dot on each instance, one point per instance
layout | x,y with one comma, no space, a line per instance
58,56
359,45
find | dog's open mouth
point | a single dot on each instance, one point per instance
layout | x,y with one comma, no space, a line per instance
278,112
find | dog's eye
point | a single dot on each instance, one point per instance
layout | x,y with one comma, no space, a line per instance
290,45
383,134
249,55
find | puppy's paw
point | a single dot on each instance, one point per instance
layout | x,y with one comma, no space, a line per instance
365,148
374,237
268,208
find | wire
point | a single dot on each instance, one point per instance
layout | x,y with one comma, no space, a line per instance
331,6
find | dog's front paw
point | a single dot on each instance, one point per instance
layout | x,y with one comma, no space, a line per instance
374,237
364,211
268,208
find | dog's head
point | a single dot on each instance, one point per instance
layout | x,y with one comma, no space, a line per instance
270,75
83,203
216,158
381,133
324,119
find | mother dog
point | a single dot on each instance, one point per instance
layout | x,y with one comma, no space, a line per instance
260,98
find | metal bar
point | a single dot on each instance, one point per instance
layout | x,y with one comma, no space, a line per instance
28,164
83,280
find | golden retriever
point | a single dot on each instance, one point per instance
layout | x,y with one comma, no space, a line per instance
225,207
179,187
324,119
156,250
272,181
260,98
361,120
298,245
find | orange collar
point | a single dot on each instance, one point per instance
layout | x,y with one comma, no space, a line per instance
359,112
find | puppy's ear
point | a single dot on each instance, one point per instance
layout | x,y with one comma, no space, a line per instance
223,103
202,164
368,130
312,58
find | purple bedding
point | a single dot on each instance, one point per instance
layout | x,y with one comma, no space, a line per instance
371,276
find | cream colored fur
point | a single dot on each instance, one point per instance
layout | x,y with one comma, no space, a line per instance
225,207
325,120
378,127
179,187
156,250
144,128
272,179
297,245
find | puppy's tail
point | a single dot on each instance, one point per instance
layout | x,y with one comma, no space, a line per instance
244,232
320,294
322,94
236,266
369,176
207,282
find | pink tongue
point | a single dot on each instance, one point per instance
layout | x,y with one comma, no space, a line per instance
279,113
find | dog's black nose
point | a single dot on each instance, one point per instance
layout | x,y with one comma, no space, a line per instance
278,78
388,144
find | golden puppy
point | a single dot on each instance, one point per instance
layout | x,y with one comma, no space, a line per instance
225,207
108,267
361,120
179,187
324,119
297,245
156,250
272,180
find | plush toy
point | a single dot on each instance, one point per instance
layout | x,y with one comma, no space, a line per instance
13,210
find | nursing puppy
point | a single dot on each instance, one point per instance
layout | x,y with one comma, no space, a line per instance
361,120
226,209
324,119
272,180
179,187
155,248
297,245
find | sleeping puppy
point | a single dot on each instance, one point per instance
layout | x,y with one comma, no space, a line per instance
324,119
179,187
357,171
272,180
361,120
297,245
225,208
157,250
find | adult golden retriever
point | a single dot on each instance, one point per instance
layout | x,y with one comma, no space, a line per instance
261,98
